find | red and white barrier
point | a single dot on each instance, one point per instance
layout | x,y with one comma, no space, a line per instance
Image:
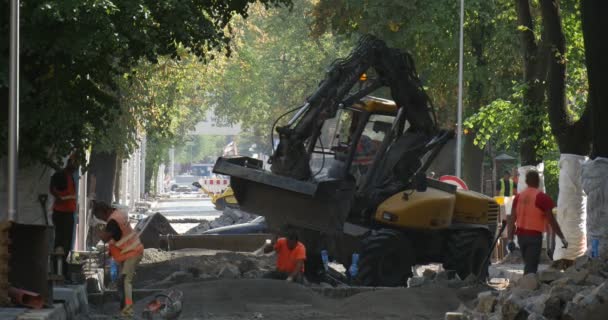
215,185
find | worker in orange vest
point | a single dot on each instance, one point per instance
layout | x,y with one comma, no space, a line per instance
63,189
125,248
533,211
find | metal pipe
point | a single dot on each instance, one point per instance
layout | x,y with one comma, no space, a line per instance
460,76
13,134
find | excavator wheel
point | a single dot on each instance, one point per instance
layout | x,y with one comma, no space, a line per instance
466,251
386,259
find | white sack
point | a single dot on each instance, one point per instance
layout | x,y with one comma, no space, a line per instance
595,184
521,182
571,208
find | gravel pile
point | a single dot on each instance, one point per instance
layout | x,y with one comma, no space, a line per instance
229,217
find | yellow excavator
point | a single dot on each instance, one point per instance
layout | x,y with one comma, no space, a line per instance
349,175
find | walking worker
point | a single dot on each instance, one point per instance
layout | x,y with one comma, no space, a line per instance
291,255
125,248
63,189
505,186
533,210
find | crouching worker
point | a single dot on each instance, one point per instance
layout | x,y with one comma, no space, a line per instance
125,249
291,255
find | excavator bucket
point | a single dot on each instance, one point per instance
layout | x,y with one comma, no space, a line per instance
317,205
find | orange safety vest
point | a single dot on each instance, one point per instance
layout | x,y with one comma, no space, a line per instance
529,216
68,205
128,246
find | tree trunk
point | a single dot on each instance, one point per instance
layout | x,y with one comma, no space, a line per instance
103,168
473,155
117,179
572,138
595,25
535,58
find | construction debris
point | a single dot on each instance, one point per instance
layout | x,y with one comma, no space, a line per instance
152,228
579,292
229,217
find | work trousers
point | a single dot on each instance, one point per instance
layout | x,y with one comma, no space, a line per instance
125,283
531,247
64,234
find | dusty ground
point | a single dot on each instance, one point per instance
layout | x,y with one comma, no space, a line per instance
210,292
268,299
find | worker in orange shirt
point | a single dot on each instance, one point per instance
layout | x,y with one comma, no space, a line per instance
532,212
291,255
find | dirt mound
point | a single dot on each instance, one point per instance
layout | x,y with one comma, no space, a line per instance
416,303
272,299
161,269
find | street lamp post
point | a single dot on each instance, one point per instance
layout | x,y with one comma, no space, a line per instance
460,79
13,134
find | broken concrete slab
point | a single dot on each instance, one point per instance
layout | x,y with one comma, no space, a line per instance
528,282
229,271
486,301
549,275
513,309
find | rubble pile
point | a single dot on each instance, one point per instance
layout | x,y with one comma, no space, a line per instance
229,217
185,266
579,292
447,278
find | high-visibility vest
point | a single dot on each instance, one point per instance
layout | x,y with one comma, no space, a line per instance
501,192
68,205
529,216
129,245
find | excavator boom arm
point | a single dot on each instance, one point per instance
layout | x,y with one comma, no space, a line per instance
395,70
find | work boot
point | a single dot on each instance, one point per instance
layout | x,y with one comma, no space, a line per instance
127,312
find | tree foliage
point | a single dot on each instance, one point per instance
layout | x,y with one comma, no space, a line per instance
274,66
69,86
429,29
501,121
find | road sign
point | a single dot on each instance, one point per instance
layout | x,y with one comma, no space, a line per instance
459,183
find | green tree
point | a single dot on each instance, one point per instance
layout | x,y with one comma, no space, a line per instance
273,67
69,90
